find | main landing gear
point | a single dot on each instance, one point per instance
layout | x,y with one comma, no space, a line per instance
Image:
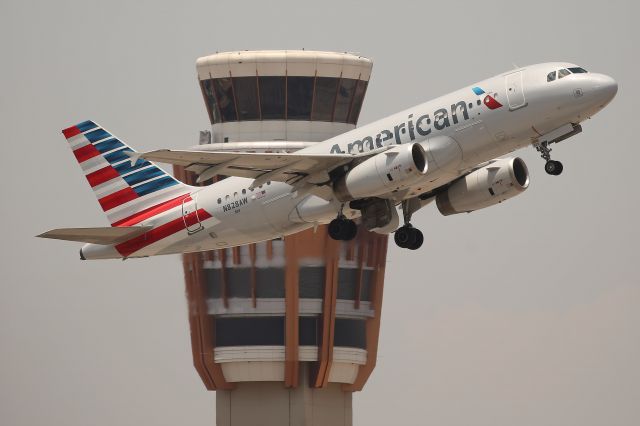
407,236
343,229
552,167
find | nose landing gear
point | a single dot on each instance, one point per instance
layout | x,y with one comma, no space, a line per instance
407,236
552,167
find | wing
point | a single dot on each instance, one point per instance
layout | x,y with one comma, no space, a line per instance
292,168
103,235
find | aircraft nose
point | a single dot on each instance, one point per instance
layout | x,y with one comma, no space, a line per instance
604,87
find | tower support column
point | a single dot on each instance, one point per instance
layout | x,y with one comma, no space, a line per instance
271,404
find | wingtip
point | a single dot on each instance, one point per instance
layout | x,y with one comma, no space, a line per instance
43,235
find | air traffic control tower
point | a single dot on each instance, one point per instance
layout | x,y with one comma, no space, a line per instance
284,331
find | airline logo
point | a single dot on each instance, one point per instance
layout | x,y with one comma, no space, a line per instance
125,191
130,193
489,100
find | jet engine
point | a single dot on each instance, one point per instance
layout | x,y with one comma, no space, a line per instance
492,184
394,169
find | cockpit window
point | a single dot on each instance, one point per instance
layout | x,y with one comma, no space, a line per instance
577,70
563,73
551,76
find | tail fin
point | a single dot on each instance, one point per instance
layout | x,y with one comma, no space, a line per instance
126,188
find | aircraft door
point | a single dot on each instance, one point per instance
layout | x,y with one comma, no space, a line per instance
190,214
515,90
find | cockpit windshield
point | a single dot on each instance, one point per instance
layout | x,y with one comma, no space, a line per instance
565,72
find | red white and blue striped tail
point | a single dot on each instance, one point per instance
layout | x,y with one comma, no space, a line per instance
128,191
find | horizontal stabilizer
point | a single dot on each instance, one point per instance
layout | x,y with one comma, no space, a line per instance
102,235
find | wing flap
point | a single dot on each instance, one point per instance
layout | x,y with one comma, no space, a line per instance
101,235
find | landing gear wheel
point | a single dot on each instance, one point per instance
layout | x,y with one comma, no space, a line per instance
418,240
553,167
402,237
351,230
408,237
343,229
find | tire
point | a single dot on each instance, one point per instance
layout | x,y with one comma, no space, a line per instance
553,168
336,229
418,239
351,230
550,167
402,237
343,229
559,169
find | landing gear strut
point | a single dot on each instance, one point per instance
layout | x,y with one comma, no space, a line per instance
552,167
407,236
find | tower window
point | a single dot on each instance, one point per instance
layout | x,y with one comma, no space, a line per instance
246,91
224,93
272,96
343,100
324,98
299,96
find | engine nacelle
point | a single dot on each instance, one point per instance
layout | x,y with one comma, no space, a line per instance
489,185
394,169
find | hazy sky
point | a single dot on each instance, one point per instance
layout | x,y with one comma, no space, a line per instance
526,313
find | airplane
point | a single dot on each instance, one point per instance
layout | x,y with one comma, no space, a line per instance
446,150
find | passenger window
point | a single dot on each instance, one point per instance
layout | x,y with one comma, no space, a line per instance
244,191
235,194
563,73
226,197
551,76
219,200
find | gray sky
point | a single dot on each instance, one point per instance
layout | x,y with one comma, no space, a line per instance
525,313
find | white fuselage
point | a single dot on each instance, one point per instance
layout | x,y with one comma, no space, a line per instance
530,106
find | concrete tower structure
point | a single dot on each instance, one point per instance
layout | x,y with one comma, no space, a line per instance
284,330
